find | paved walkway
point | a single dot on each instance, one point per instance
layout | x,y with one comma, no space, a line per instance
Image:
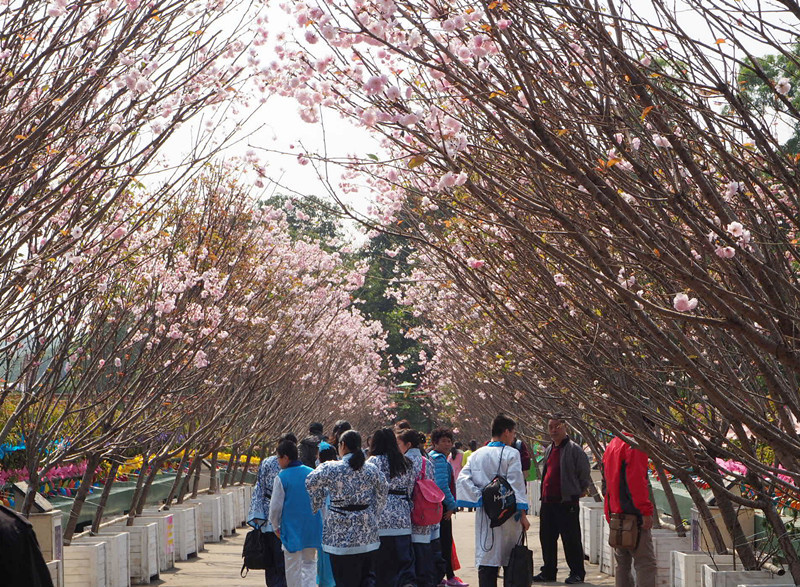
219,564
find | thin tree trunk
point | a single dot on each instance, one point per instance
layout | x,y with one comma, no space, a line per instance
247,463
212,481
741,543
178,478
98,515
138,491
86,481
186,487
151,476
198,471
784,540
675,512
227,479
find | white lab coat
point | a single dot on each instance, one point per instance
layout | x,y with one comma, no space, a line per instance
492,545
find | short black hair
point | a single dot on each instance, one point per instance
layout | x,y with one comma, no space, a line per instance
501,423
403,425
327,452
439,433
287,448
341,426
315,428
473,445
287,436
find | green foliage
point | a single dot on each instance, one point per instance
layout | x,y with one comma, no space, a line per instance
323,222
760,94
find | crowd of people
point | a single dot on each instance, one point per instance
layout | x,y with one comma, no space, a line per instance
335,511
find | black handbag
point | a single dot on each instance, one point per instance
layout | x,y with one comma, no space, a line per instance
256,552
520,565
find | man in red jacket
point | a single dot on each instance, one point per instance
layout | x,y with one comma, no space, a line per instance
627,492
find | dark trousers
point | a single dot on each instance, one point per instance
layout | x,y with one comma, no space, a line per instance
423,565
446,538
394,562
275,574
561,519
487,577
353,570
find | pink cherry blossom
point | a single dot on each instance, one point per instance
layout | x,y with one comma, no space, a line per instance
783,86
735,229
474,263
661,141
725,252
682,303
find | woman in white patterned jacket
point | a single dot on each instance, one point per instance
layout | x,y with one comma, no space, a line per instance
357,492
394,564
410,443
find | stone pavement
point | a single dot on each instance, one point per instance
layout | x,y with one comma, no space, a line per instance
219,564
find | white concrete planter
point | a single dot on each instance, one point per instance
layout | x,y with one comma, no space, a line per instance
143,562
536,497
664,543
195,511
701,540
212,517
183,530
686,568
591,514
165,539
229,516
56,572
608,564
727,576
48,530
118,555
85,565
242,506
248,497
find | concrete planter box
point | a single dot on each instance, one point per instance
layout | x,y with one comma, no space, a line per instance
664,543
117,556
48,530
143,563
608,564
165,538
248,497
183,530
242,506
591,514
701,540
85,565
727,576
56,572
686,568
195,511
229,522
535,497
212,517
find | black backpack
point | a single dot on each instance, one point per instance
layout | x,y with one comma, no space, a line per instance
256,552
498,499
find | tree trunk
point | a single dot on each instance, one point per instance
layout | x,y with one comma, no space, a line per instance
784,540
227,479
212,482
151,476
98,515
186,486
138,491
677,519
704,511
198,471
741,543
247,463
178,478
86,481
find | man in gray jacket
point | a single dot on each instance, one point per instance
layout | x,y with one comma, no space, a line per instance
565,478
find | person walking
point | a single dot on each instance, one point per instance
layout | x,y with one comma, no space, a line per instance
627,492
299,529
394,563
357,492
258,516
565,478
442,441
456,458
324,571
411,444
493,545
